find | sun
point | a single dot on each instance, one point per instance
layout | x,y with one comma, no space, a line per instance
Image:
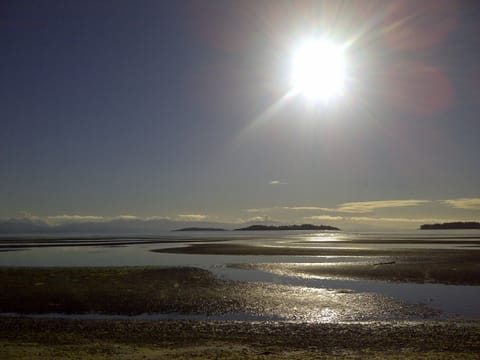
318,70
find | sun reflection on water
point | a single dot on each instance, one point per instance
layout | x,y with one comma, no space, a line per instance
326,316
320,237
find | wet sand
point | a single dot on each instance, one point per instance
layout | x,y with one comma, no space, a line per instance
445,266
143,290
9,244
327,249
298,322
314,322
433,270
39,338
450,273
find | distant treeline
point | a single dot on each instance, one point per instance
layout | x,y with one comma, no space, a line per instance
287,227
451,226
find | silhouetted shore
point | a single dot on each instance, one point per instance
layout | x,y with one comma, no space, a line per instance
459,225
288,228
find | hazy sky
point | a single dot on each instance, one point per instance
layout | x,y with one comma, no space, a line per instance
179,109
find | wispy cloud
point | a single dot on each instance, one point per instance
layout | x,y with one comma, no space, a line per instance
277,182
394,219
464,203
258,218
74,218
293,208
192,217
155,218
368,219
307,208
126,217
369,206
325,217
67,218
264,219
67,223
349,207
25,215
255,210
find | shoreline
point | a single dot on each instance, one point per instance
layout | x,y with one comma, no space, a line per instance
185,339
188,291
288,321
322,323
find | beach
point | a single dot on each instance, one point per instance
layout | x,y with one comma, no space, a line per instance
96,339
306,302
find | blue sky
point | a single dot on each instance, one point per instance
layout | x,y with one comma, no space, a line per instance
177,109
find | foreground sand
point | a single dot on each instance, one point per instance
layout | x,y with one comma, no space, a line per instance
296,322
307,330
90,339
187,291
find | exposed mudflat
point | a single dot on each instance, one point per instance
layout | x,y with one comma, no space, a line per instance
143,290
9,244
105,312
458,267
324,250
434,270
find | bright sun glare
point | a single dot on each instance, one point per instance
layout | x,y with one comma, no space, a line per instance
318,70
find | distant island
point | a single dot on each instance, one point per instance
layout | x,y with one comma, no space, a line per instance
287,227
200,229
459,225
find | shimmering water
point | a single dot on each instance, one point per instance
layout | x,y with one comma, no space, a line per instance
452,300
133,251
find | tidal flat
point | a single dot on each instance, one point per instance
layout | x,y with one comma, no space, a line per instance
297,322
326,295
184,292
454,267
